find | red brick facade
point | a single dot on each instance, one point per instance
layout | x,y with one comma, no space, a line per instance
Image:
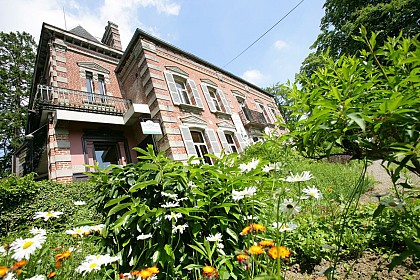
91,98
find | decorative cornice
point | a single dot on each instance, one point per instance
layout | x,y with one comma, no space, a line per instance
225,124
93,66
193,120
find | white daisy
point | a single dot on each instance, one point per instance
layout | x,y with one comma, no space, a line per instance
290,207
179,228
282,227
170,195
249,166
249,192
47,215
102,259
36,231
173,216
84,230
272,166
143,236
250,217
37,277
9,276
79,203
237,195
170,205
97,228
88,266
215,238
305,176
2,251
23,248
312,192
393,203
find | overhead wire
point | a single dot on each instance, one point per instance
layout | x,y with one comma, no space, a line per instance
264,33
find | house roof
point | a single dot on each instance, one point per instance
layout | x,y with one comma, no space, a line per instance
80,31
140,34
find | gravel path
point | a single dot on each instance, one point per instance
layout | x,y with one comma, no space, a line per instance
383,182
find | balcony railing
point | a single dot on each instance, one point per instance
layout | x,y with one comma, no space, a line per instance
252,118
55,97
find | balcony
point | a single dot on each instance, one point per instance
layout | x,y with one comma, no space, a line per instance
48,97
251,118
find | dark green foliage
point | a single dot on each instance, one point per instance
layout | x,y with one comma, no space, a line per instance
367,105
343,19
130,199
17,57
20,198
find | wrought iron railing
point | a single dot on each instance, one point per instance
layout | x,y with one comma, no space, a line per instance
252,118
80,101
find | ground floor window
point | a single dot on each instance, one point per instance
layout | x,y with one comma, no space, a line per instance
104,150
105,154
200,146
231,142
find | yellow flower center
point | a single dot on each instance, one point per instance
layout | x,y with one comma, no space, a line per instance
49,214
27,244
93,265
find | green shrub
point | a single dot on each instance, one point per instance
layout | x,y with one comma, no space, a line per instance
21,198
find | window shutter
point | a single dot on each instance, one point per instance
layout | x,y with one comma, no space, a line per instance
223,140
241,141
195,93
188,141
224,102
215,148
208,98
172,88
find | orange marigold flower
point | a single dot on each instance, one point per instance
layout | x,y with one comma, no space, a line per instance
153,269
256,250
58,264
19,271
18,264
246,230
144,274
266,243
135,273
63,255
258,227
279,252
241,257
209,270
3,271
52,274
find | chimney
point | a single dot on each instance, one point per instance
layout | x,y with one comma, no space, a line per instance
112,36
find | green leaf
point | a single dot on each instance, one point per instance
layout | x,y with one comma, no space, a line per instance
356,118
119,207
142,185
398,259
378,210
116,200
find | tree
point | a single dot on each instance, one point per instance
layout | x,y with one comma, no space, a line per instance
367,105
281,95
343,18
17,56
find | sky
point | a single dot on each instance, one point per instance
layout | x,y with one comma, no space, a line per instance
214,30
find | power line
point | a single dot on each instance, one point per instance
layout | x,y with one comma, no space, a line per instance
264,34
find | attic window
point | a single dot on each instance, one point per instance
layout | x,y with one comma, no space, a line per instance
177,70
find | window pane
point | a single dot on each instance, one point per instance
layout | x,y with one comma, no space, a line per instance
106,154
101,83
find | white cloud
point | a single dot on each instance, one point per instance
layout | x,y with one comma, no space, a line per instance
279,44
255,76
124,13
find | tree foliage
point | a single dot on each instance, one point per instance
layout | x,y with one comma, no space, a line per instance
283,100
366,104
17,55
343,18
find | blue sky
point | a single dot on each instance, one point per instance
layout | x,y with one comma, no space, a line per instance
214,30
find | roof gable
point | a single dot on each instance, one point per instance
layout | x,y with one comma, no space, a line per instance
80,31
